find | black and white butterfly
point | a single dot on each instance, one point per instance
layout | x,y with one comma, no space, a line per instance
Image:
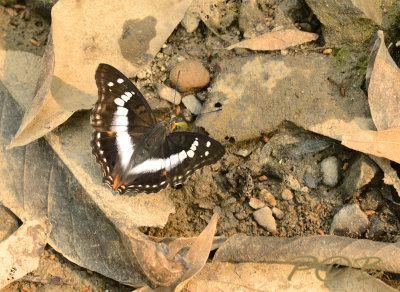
135,151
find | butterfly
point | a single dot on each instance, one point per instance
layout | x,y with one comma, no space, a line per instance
136,152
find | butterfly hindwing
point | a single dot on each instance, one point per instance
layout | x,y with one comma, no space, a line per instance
185,152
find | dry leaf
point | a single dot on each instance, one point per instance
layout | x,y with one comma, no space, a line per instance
166,270
379,143
276,40
383,81
241,248
36,184
85,35
252,277
20,253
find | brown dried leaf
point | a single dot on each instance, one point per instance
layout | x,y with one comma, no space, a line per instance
276,40
241,248
20,253
36,184
379,143
85,35
383,81
252,277
163,269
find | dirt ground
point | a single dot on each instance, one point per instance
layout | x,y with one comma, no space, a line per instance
235,182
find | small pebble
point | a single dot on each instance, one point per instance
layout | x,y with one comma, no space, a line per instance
192,75
243,152
327,51
287,194
264,218
278,213
201,96
267,197
330,171
228,201
284,52
240,215
192,104
256,203
168,94
262,178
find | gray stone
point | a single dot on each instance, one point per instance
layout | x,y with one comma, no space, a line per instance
249,19
347,20
190,21
229,201
192,104
359,175
311,180
278,213
275,89
256,203
169,94
349,220
264,218
330,171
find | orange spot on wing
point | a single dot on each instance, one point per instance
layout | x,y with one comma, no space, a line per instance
164,173
116,183
110,133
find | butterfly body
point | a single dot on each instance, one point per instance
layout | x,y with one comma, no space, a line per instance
134,150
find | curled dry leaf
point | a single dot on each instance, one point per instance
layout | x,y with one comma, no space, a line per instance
383,81
20,253
163,269
276,40
241,248
85,35
252,277
379,143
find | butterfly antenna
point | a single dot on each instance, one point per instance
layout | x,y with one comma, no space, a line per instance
176,89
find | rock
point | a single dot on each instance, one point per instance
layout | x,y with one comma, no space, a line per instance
190,21
201,96
242,152
187,115
206,205
311,180
372,200
278,213
265,219
229,201
44,7
349,220
287,194
192,104
168,94
192,75
249,18
377,228
348,20
256,203
330,171
240,215
267,197
297,85
359,175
